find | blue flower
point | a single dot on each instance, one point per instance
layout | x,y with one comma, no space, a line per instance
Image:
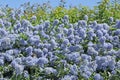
82,33
91,34
26,74
92,51
117,32
19,69
118,65
70,31
30,61
73,69
88,73
1,62
42,61
53,43
33,18
40,27
29,50
99,27
84,56
97,77
86,17
117,25
55,22
70,77
70,25
46,25
99,33
25,23
9,57
108,46
73,57
111,19
59,36
75,48
66,17
94,24
113,72
34,40
49,70
61,25
77,39
118,53
45,51
102,40
66,42
3,32
23,42
38,52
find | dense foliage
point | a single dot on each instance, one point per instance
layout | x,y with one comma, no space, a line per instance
100,13
38,42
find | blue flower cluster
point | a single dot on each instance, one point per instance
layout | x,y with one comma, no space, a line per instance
58,50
